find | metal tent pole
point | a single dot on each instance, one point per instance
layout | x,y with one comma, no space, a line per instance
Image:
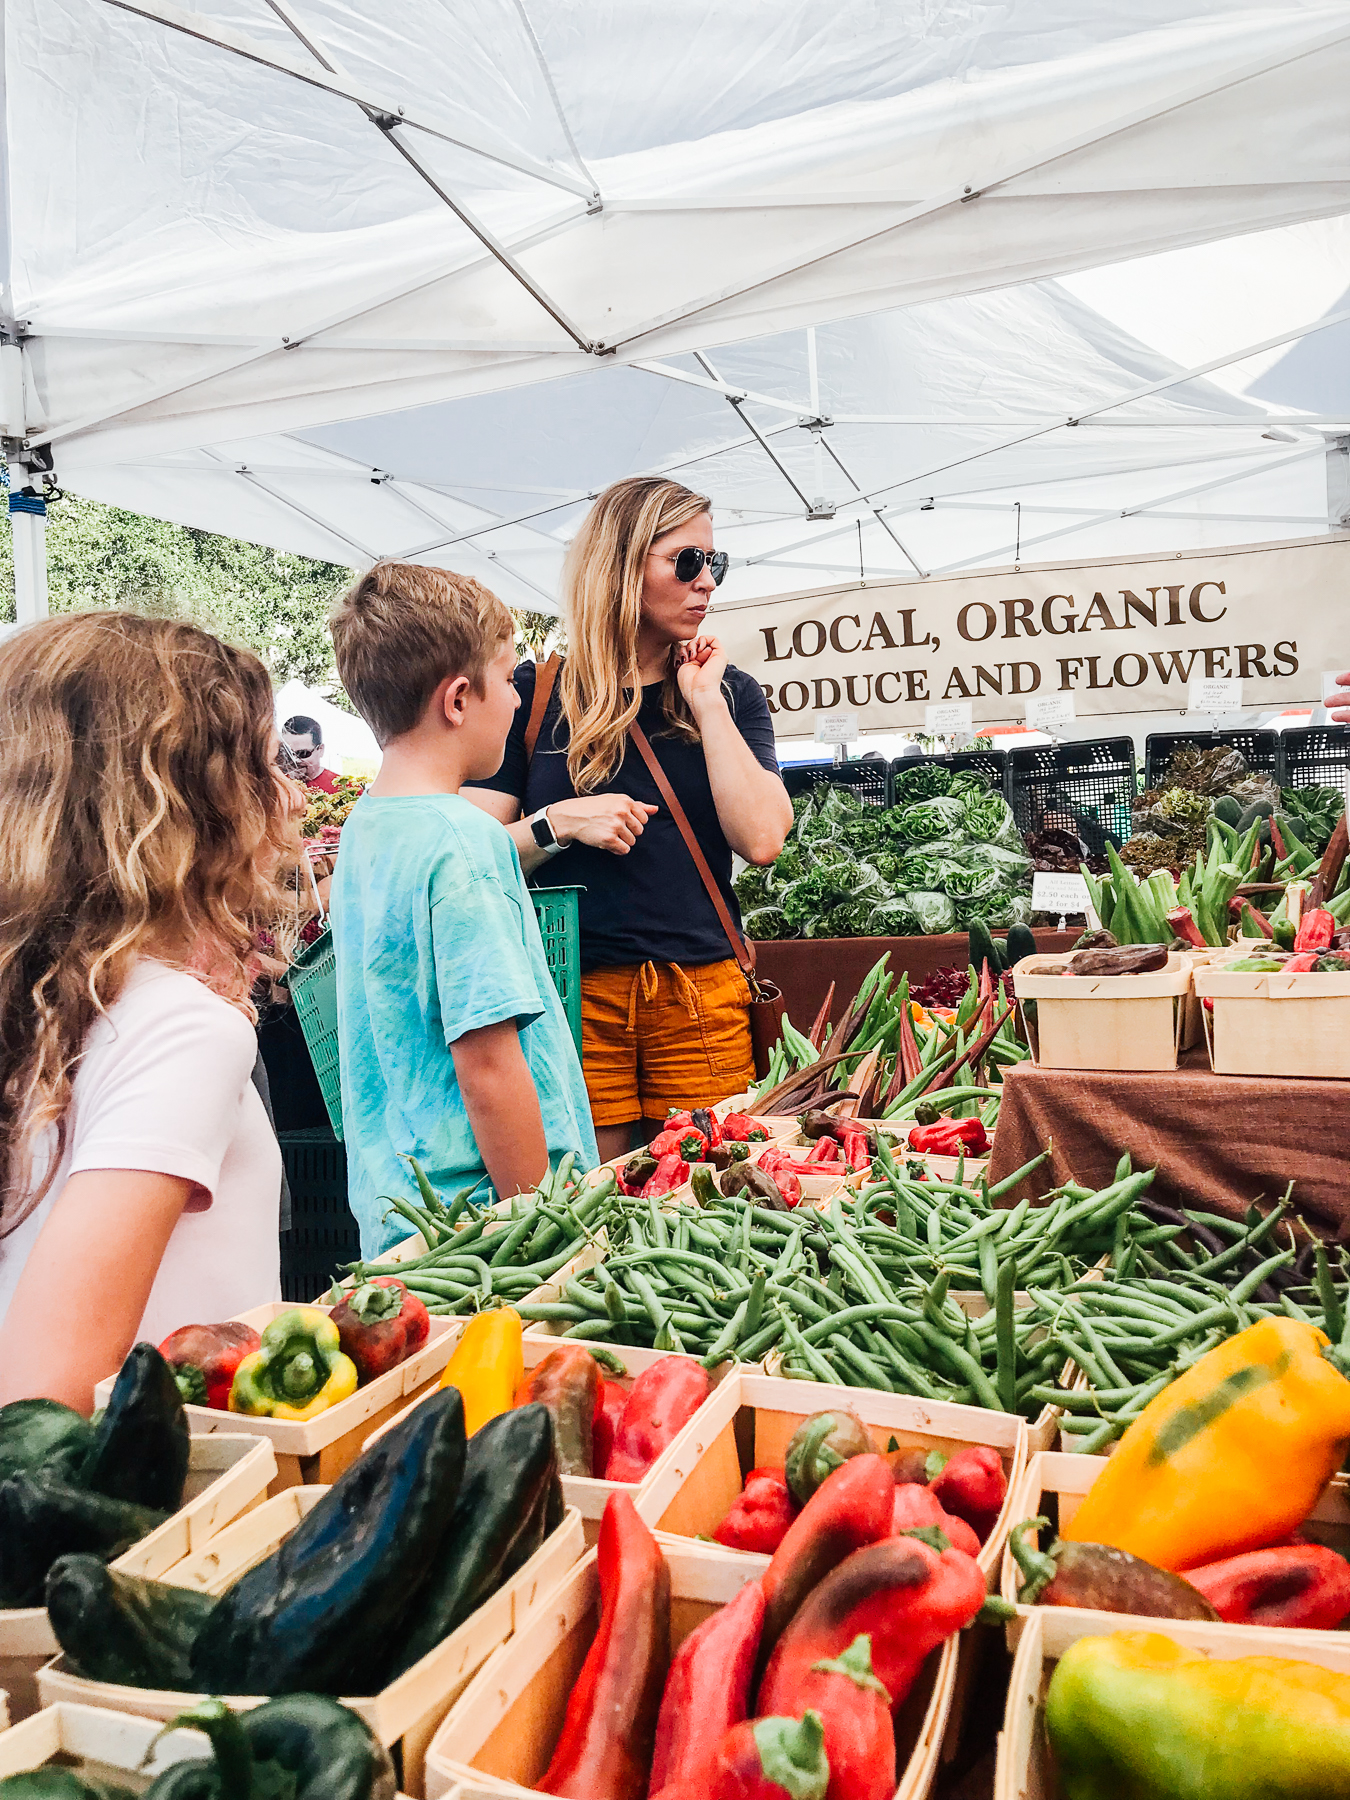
28,522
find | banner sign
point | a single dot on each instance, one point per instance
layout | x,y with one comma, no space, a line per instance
1119,636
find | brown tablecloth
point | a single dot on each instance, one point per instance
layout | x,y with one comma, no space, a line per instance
1219,1141
805,967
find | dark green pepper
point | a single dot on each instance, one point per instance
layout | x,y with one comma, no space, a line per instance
41,1520
500,1519
322,1612
121,1629
303,1746
140,1447
52,1783
819,1446
42,1436
926,1113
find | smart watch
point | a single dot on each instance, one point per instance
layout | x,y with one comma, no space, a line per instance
543,834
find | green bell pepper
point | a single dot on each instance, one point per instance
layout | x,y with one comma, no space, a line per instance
299,1371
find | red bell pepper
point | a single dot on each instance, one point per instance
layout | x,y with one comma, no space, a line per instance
380,1325
917,1506
671,1172
707,1690
605,1750
972,1486
1296,1585
676,1119
948,1137
903,1594
852,1507
1316,930
610,1401
660,1404
761,1514
855,1710
764,1759
688,1142
567,1384
740,1128
204,1358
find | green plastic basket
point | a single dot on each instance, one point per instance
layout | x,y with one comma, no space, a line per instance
313,984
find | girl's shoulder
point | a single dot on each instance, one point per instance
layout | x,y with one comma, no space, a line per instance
162,1004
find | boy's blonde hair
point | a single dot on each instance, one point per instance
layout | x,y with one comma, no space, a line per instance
401,629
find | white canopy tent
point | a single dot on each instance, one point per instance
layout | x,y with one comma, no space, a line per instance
359,283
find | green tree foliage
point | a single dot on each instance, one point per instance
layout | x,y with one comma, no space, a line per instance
275,603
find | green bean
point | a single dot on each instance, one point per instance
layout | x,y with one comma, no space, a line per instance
1005,1286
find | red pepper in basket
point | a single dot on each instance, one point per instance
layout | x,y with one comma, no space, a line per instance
1301,964
916,1507
660,1404
905,1595
567,1384
677,1120
740,1128
610,1401
764,1759
851,1507
1294,1585
855,1710
972,1486
948,1137
1183,924
826,1150
688,1142
605,1749
1316,930
761,1514
671,1172
707,1690
706,1122
857,1153
380,1324
204,1358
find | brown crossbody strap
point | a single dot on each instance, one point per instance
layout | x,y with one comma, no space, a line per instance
741,948
545,674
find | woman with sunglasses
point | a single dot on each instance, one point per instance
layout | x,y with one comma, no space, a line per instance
664,1002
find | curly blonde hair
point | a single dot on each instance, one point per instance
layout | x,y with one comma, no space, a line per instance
600,686
141,814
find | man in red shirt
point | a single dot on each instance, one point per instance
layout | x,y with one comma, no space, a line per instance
303,737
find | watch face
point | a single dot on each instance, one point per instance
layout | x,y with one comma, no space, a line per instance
542,833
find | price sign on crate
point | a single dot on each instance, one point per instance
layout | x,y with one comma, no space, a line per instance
1051,712
1062,894
1205,696
837,728
955,715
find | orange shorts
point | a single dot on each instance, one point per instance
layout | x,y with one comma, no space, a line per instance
656,1036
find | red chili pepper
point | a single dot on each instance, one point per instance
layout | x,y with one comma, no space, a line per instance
661,1403
609,1404
1183,924
857,1153
855,1710
851,1507
764,1759
760,1515
1301,964
1295,1585
672,1171
917,1506
948,1136
740,1128
380,1325
973,1487
567,1384
905,1595
605,1749
688,1142
1316,930
826,1150
707,1690
204,1358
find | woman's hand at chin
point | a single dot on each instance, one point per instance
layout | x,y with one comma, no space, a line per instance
700,666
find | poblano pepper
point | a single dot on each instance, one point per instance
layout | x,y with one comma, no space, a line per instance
1134,1716
299,1371
305,1746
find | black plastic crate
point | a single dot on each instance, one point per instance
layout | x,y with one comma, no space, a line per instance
1317,756
870,781
323,1232
1260,750
1090,785
992,764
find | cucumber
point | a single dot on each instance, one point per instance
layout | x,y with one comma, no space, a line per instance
1020,943
983,949
1259,809
1227,809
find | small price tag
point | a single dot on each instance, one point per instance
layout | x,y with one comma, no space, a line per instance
951,715
1051,711
1060,894
836,728
1213,696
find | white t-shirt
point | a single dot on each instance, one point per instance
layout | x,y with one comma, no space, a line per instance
165,1085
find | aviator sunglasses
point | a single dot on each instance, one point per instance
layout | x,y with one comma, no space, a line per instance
689,564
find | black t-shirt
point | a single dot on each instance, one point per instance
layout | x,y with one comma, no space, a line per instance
649,905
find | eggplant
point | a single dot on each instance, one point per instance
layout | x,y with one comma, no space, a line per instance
42,1520
42,1436
818,1124
748,1178
319,1614
1125,959
121,1629
1095,940
140,1447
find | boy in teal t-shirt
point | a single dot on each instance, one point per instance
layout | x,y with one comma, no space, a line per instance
453,1041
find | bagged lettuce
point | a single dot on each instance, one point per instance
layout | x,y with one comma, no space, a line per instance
934,913
936,818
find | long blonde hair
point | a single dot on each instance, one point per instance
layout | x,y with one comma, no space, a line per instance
600,688
139,807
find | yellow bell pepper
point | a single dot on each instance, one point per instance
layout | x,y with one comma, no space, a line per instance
487,1367
299,1371
1232,1456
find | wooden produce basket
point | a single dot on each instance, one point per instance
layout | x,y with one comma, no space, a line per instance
688,1497
1025,1766
407,1712
1276,1024
1053,1486
499,1737
226,1476
1107,1021
319,1449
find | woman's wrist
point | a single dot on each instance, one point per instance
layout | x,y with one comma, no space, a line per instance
706,706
